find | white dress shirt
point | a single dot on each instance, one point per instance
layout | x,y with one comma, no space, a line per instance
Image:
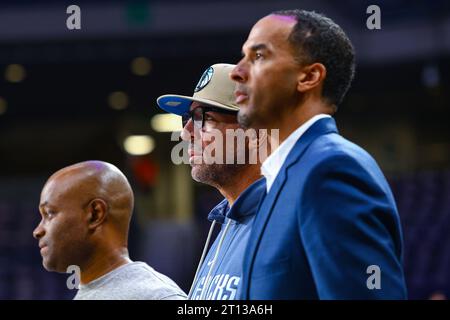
272,165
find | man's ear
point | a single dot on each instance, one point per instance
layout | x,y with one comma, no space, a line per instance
311,76
97,212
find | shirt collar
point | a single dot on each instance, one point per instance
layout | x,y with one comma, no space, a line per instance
272,165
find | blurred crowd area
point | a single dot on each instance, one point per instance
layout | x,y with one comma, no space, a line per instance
67,97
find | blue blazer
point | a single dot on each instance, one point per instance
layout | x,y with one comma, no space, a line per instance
328,219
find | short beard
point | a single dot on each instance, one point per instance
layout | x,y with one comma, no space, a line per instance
244,120
216,175
251,120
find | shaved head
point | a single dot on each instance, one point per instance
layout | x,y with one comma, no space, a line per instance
85,181
85,208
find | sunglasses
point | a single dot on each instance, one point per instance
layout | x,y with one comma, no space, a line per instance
197,115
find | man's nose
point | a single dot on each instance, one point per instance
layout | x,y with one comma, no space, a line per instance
239,73
39,232
188,131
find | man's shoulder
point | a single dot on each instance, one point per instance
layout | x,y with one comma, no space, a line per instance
148,282
333,155
136,280
332,147
333,144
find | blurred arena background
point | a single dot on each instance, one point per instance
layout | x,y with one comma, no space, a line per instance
68,96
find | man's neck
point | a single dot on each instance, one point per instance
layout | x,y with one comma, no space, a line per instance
102,263
239,183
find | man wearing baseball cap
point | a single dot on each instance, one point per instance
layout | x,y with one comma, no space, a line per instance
212,108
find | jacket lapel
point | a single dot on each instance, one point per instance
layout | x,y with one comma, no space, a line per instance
321,127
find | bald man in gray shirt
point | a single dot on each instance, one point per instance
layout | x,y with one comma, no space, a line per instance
86,210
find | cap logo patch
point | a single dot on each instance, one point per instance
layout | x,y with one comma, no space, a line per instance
205,79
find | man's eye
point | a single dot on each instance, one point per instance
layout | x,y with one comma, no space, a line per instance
50,214
258,56
208,117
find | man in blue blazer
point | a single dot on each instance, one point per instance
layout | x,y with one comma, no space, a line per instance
328,227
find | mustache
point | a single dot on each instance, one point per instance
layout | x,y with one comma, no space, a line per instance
240,89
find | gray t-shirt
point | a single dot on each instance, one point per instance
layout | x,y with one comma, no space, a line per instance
131,281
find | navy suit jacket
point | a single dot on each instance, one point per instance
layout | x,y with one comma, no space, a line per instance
328,221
